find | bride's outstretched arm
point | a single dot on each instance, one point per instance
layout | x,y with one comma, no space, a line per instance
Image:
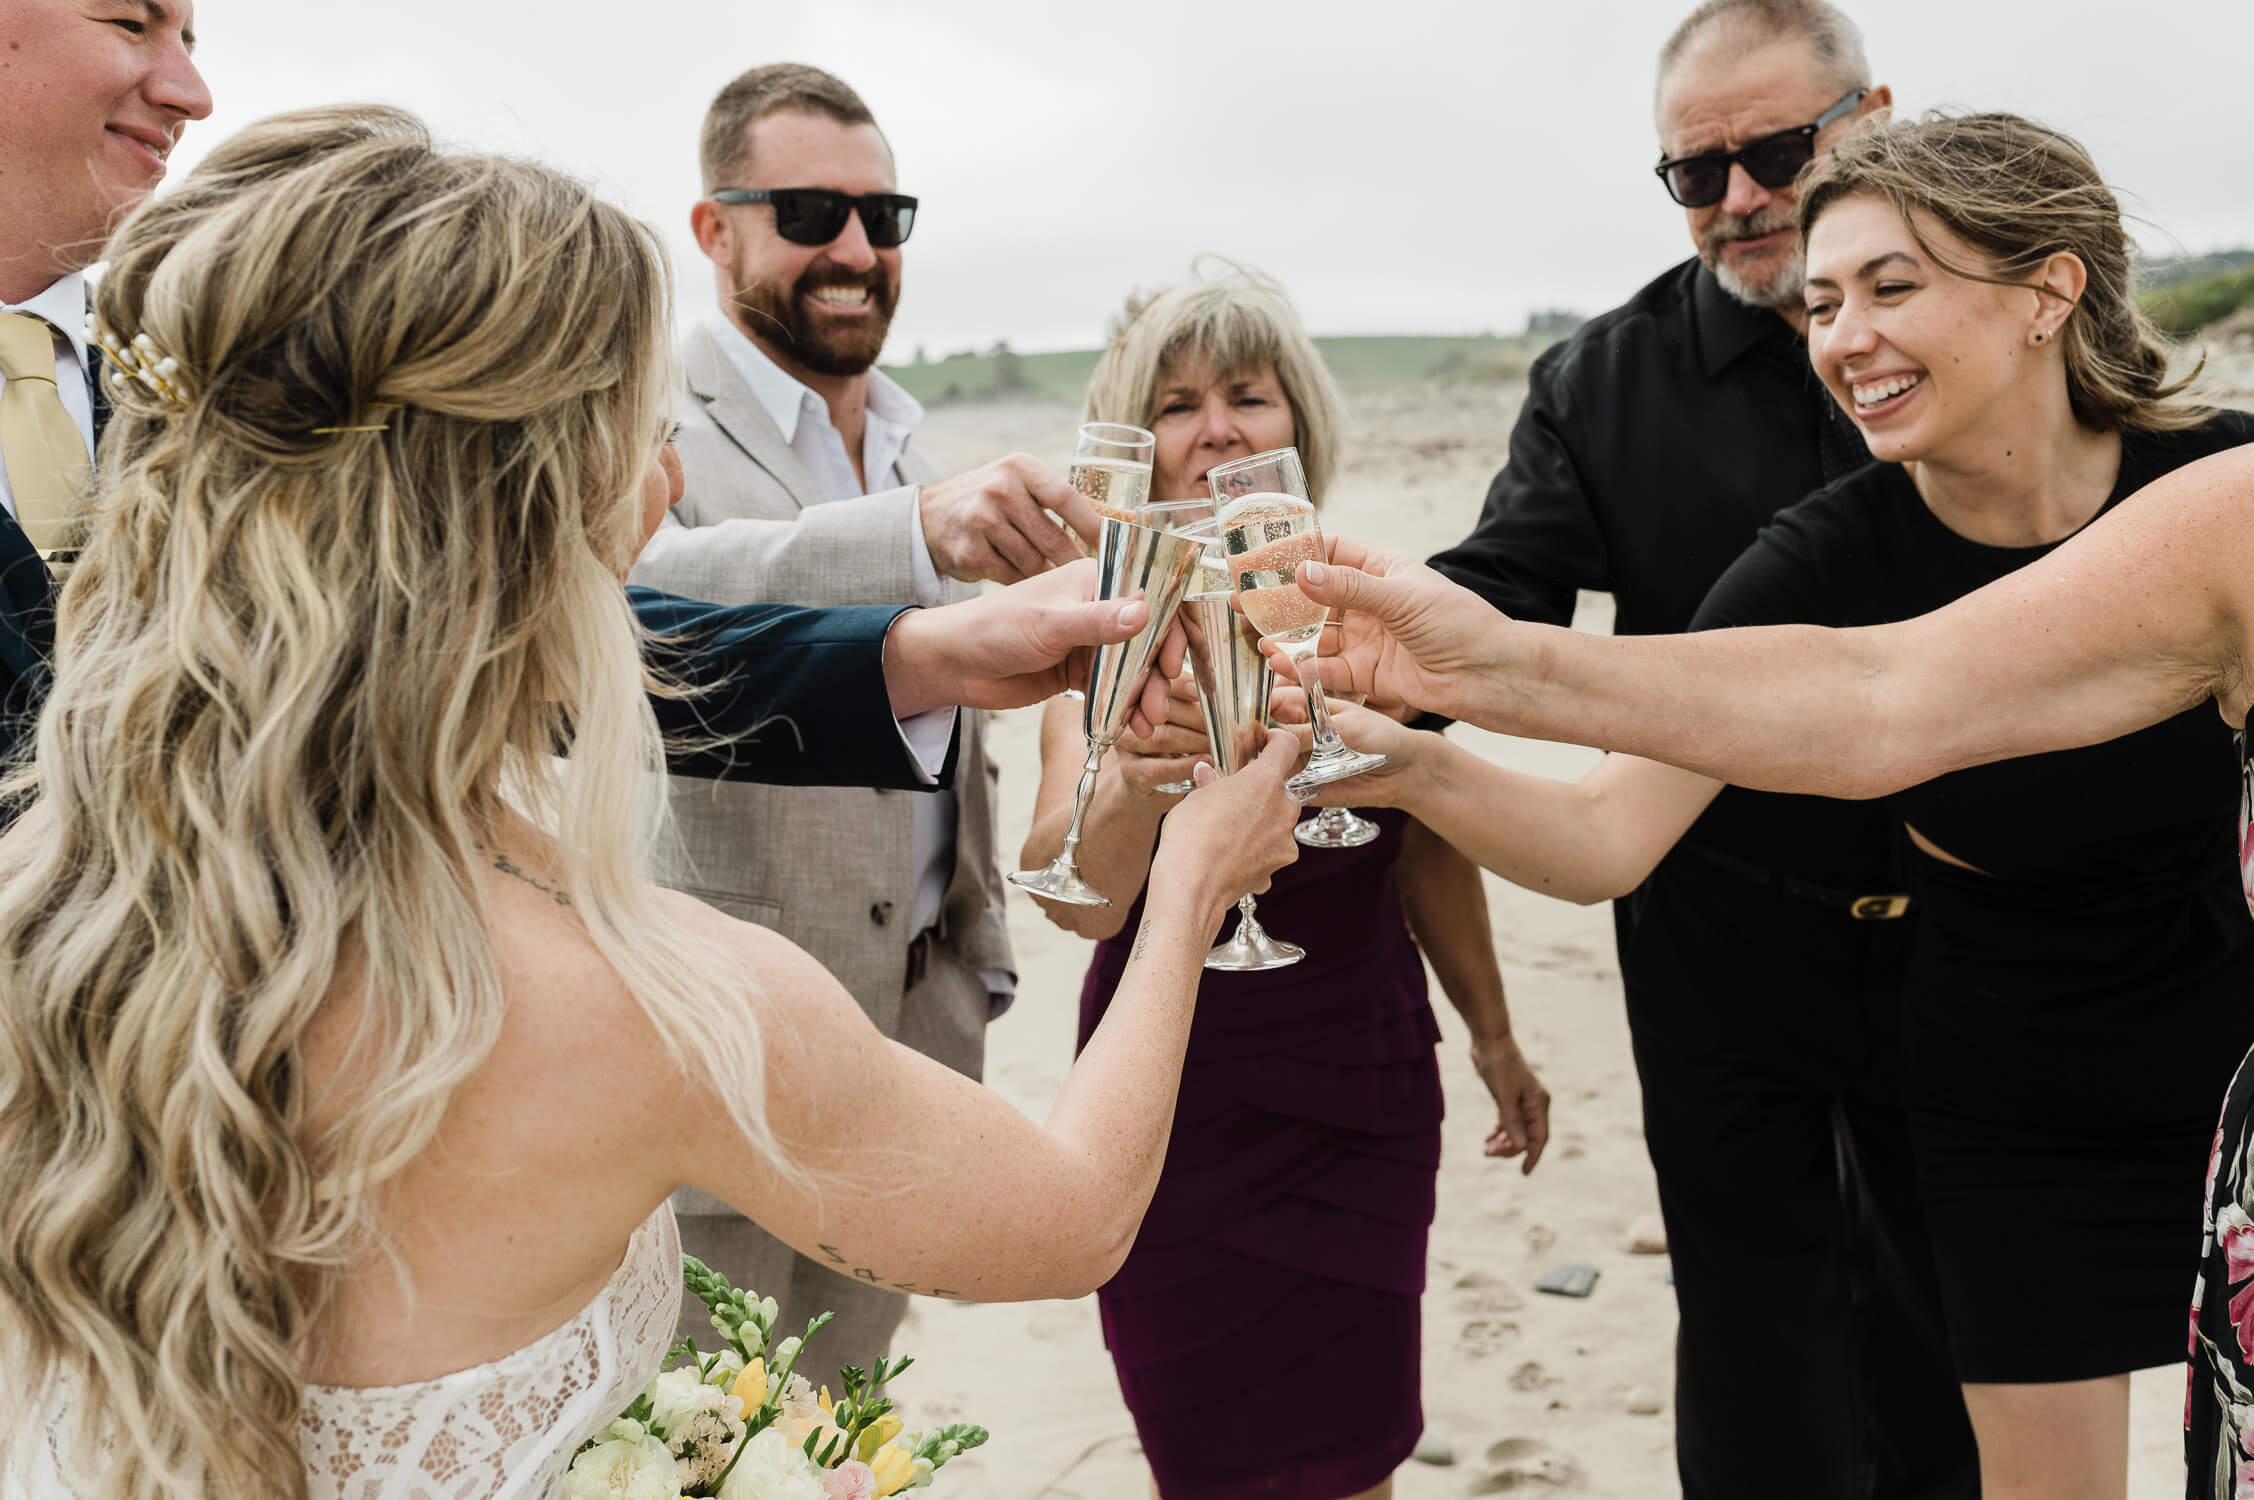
919,1179
2141,615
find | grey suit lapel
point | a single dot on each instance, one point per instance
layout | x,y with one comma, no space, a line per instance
714,380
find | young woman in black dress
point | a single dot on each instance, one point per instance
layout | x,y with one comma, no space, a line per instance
2077,996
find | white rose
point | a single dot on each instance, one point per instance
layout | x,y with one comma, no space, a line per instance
623,1469
772,1469
676,1395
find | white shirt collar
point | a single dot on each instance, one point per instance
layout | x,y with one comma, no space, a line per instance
785,399
64,305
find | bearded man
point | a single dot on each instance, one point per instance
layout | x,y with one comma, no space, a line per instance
802,486
1762,961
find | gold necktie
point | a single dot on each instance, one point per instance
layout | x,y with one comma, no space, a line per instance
40,446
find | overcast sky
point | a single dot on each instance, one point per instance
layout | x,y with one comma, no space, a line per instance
1405,166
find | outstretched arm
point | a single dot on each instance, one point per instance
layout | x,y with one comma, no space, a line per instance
1585,841
2140,616
920,1179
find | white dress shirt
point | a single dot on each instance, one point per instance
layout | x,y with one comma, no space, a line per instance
64,305
803,418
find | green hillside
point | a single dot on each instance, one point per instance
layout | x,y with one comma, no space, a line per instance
2187,307
1359,363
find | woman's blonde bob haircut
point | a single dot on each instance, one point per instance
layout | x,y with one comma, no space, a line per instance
2019,193
306,678
1233,324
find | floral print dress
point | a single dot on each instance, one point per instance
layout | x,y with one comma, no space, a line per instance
2219,1401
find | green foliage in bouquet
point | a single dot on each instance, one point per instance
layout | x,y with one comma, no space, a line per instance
742,1424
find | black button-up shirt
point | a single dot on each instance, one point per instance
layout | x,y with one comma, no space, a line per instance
1653,445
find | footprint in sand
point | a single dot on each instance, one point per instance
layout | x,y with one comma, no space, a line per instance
1479,1294
1525,1464
1482,1337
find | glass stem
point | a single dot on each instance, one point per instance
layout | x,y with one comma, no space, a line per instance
1327,741
1070,855
1246,921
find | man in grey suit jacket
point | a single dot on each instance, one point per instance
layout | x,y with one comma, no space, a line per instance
803,487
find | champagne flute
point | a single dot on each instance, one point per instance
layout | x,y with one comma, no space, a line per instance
1337,827
1111,466
1130,560
1268,529
1197,521
1233,683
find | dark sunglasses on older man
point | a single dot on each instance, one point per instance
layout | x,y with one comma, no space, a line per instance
1773,160
816,216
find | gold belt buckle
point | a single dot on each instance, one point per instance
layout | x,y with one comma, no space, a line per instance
1879,908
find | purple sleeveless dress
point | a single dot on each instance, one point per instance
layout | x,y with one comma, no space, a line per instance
1265,1326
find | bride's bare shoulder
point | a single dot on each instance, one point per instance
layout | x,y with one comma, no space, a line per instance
767,957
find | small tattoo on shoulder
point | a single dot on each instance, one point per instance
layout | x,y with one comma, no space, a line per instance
508,866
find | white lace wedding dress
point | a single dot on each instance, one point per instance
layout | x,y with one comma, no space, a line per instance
505,1430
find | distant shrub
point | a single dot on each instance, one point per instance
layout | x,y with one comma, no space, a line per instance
2186,308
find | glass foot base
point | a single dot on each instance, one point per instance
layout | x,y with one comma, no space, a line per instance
1348,832
1059,881
1251,949
1334,768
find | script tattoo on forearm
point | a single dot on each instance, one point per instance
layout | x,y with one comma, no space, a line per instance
871,1277
508,866
1142,940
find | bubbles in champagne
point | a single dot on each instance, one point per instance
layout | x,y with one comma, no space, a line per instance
1116,487
1267,537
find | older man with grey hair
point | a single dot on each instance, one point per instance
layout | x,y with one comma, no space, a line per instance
1762,961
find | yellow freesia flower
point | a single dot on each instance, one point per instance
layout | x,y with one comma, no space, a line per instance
751,1386
893,1468
886,1429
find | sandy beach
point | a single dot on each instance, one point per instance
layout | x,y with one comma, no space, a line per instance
1533,1393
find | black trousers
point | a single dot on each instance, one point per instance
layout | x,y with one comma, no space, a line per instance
1809,1358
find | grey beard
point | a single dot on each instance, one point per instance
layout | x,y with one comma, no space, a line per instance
1783,292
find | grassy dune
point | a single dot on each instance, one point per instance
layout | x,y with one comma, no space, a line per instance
1359,363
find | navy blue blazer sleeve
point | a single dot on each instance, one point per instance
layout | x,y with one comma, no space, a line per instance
788,696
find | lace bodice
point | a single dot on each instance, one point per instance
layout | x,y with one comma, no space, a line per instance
505,1430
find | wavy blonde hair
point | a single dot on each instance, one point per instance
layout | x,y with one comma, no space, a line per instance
2020,192
301,678
1235,321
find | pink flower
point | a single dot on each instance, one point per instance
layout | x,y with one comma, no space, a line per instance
2234,1231
2243,1489
2214,1164
850,1480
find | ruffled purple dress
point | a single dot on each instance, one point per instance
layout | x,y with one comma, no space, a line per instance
1265,1326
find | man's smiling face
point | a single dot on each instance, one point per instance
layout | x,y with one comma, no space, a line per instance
93,95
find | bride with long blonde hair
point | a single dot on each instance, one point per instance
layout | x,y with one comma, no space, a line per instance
347,1056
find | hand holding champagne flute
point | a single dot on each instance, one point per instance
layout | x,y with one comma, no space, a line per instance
1268,529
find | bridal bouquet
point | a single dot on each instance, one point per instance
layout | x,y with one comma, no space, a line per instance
742,1425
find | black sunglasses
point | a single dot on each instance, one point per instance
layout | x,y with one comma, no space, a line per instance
1773,161
816,216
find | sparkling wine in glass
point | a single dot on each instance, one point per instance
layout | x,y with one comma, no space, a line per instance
1233,682
1268,529
1111,466
1212,578
1130,560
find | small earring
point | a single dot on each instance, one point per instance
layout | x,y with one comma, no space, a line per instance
2039,337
